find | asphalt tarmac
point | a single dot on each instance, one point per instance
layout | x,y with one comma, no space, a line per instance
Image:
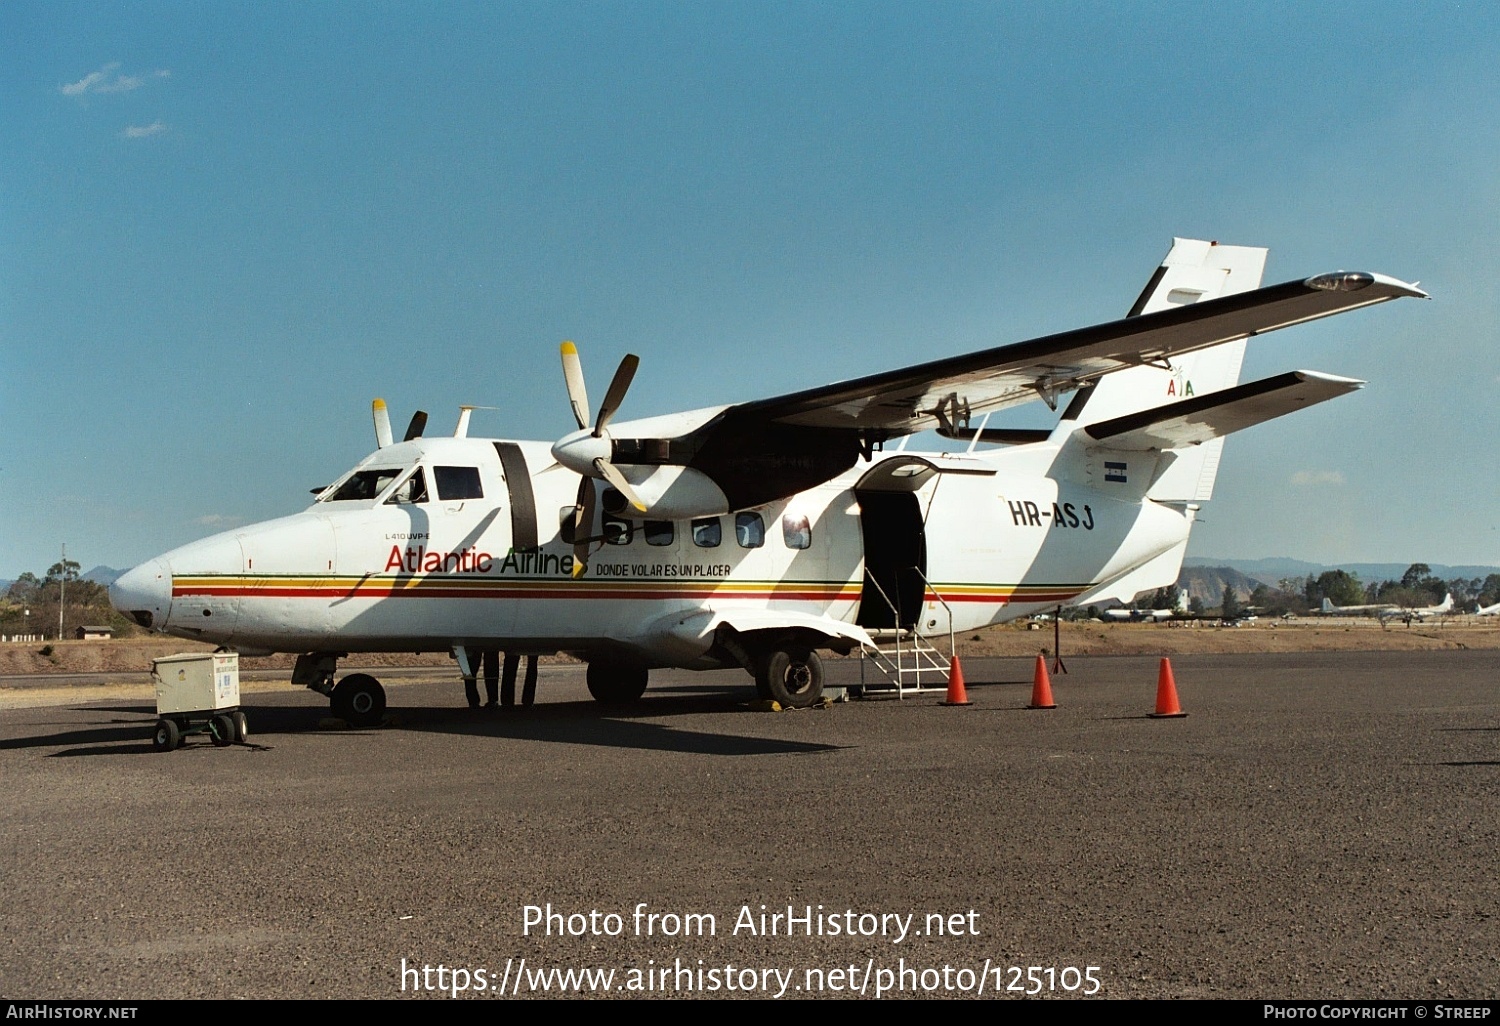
1319,826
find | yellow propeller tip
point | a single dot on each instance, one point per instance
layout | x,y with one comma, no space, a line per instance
569,349
378,404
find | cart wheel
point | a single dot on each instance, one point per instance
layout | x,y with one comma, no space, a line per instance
241,725
221,729
167,736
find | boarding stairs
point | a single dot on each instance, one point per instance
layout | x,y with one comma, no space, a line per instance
903,661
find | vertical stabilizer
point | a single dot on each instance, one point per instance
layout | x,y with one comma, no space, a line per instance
1192,272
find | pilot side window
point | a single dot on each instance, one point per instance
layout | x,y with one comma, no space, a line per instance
617,531
412,490
749,530
707,533
457,483
797,532
658,532
366,484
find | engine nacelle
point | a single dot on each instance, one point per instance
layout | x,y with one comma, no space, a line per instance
669,492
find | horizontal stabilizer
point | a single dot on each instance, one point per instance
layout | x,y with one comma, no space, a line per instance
1192,421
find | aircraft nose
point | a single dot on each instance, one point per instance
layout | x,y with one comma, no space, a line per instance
144,593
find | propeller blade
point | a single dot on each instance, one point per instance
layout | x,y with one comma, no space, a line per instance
616,394
416,427
382,423
578,395
583,523
611,473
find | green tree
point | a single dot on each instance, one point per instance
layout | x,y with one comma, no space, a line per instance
1230,607
1489,591
1337,586
64,570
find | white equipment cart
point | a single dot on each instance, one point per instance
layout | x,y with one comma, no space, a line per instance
198,693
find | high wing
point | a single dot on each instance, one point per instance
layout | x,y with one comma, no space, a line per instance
725,458
921,398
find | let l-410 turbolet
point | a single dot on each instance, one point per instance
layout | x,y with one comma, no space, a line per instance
759,534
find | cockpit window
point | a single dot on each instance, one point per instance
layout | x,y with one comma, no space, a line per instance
457,483
412,490
364,484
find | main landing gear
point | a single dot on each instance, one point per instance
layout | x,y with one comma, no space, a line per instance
616,683
793,677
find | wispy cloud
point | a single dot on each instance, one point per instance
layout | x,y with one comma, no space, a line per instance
218,520
105,80
1318,477
143,131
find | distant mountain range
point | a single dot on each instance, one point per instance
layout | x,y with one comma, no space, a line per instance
105,575
1275,568
1206,584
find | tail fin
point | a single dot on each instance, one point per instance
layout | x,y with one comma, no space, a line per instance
1192,272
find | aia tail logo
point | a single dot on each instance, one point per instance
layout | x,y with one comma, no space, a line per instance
1178,386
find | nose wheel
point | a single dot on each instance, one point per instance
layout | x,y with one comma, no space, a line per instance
359,700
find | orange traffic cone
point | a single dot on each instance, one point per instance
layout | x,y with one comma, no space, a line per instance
1166,693
1041,687
956,693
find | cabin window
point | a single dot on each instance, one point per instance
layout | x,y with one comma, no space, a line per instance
658,532
617,531
366,484
458,483
749,530
707,533
797,532
412,490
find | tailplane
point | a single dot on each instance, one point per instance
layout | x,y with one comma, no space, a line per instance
1192,272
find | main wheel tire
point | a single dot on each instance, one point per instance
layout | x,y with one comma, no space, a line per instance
166,737
221,730
615,683
794,678
359,700
241,725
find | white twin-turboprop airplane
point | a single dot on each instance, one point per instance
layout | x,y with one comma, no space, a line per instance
757,534
1384,611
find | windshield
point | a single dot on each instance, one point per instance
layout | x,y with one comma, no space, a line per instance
365,484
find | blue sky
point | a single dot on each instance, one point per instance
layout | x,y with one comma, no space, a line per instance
225,227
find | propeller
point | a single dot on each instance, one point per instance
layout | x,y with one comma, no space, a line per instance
588,450
382,423
382,417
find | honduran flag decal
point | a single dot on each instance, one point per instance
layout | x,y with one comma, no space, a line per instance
1114,471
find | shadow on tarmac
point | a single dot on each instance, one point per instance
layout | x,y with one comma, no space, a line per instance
585,723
